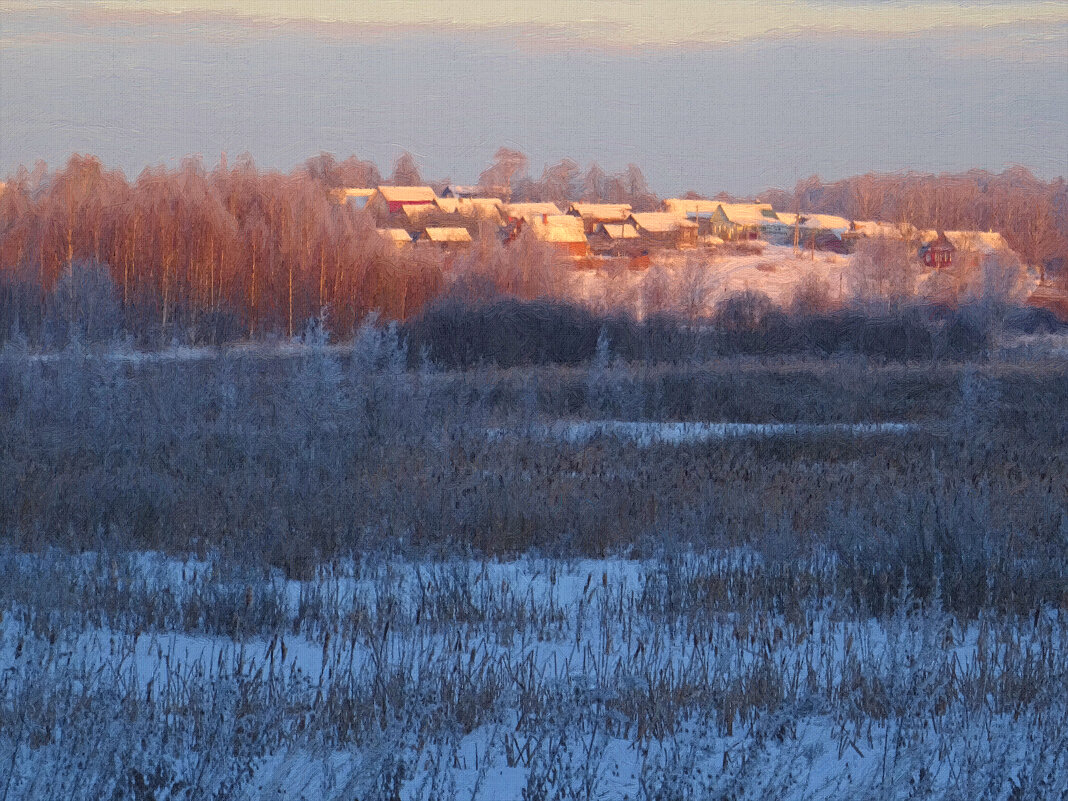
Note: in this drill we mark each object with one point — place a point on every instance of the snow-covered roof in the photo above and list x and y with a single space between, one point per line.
978 241
415 212
520 211
601 212
448 234
873 228
681 207
396 235
456 191
660 222
354 196
829 222
407 194
749 213
619 230
478 207
562 228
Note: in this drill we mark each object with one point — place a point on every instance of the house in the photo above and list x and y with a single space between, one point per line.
816 231
513 212
938 253
613 238
398 236
665 229
354 197
870 229
683 207
985 243
458 191
967 249
564 231
455 191
733 221
446 238
395 199
475 208
593 214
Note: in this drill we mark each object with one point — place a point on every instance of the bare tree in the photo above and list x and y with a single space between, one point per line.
884 273
696 287
508 166
405 171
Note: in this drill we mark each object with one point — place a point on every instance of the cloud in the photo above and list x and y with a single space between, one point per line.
607 23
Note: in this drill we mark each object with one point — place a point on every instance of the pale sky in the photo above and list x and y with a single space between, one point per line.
725 95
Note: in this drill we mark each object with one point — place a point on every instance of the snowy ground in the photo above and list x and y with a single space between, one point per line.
777 272
644 434
692 676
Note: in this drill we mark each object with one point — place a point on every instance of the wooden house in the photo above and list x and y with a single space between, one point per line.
683 207
352 196
809 230
938 253
476 208
456 190
398 236
740 221
447 238
593 214
965 249
664 229
613 238
563 231
514 212
386 200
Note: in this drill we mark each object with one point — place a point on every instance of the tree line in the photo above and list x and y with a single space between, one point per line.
210 254
1030 213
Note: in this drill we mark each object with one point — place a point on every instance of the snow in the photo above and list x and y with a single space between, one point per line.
645 434
603 676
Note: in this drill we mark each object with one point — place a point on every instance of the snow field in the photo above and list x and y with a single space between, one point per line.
687 676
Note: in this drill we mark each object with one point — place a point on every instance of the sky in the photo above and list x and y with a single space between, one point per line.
730 95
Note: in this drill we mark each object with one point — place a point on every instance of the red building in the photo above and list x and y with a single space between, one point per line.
939 252
394 199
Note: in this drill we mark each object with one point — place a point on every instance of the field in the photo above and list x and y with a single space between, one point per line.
318 573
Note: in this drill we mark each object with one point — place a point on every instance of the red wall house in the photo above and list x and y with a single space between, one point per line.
938 253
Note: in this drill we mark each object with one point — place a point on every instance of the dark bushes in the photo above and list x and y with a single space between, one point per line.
510 333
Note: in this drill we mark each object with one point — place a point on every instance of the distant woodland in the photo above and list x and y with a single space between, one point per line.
207 254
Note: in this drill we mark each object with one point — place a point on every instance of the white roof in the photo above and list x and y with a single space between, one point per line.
749 213
562 228
521 211
874 228
610 212
396 235
456 190
979 241
619 230
681 207
480 207
660 222
407 194
829 222
448 235
355 196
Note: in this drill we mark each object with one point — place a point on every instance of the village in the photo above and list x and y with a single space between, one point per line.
416 214
726 247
